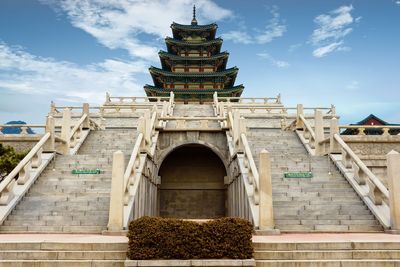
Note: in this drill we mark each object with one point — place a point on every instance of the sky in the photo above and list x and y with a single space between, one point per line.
313 52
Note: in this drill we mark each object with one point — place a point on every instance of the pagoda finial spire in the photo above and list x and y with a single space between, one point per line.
194 20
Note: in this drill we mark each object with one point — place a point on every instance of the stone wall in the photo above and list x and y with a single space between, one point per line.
372 150
24 145
192 184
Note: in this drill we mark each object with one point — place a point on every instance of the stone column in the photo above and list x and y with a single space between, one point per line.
393 171
319 132
49 146
266 221
85 110
65 131
334 147
116 215
300 111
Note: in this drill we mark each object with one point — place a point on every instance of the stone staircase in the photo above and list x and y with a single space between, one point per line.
325 203
60 201
337 253
79 251
195 110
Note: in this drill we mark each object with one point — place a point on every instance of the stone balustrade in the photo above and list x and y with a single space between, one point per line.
133 100
384 130
134 189
23 127
380 199
18 181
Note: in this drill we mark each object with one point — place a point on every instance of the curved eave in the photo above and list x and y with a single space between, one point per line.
174 41
227 72
212 26
175 59
166 55
235 91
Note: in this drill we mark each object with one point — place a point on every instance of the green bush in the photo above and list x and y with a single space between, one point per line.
159 238
9 159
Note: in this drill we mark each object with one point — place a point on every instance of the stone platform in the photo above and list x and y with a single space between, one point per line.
318 249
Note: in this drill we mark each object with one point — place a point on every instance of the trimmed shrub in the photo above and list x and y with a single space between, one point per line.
160 238
9 159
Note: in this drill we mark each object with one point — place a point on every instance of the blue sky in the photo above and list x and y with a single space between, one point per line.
312 52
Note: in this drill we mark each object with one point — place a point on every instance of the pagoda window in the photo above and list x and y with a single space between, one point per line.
193 86
194 53
179 86
179 68
208 85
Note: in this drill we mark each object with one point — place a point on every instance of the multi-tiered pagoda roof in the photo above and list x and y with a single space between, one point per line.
193 67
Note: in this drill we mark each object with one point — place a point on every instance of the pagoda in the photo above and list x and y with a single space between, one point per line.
193 67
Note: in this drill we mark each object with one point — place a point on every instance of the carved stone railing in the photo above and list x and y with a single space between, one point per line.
313 135
134 189
366 184
18 181
23 127
72 139
252 100
130 100
248 197
381 200
361 129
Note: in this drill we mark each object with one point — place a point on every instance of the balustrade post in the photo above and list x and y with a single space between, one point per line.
393 174
116 214
53 109
300 111
334 147
49 146
266 212
85 110
65 131
319 132
278 99
108 99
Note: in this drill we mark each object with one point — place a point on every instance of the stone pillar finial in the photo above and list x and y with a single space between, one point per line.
116 214
393 175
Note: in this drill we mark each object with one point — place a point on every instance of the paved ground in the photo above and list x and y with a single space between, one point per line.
61 238
284 238
327 237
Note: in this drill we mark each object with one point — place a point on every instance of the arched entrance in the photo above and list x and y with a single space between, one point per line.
192 184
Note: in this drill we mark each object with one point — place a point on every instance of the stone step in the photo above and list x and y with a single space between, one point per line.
52 229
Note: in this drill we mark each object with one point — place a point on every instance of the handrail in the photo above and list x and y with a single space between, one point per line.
77 126
252 164
369 126
362 166
132 161
308 126
24 161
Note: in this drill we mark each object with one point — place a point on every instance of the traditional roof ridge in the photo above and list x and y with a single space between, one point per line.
162 53
371 116
233 70
192 27
225 90
180 42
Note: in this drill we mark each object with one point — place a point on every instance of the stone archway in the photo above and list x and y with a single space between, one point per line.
192 183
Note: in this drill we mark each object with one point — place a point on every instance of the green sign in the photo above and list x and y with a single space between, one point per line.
84 171
298 174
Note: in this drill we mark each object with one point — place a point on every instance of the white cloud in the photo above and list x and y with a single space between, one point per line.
26 73
324 50
331 31
118 23
294 47
273 61
397 3
353 86
274 29
238 37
